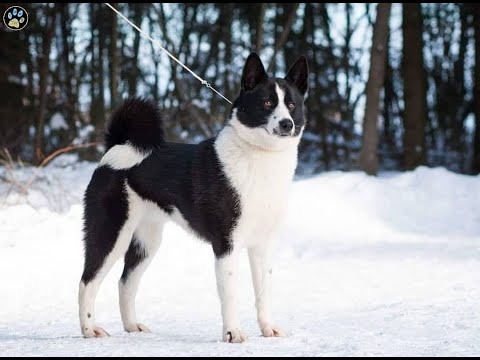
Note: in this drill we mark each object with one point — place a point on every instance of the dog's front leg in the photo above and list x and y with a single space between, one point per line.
260 263
226 269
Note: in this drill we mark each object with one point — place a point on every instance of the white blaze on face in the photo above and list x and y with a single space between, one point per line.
280 112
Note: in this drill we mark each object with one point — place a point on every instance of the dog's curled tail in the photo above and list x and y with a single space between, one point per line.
138 122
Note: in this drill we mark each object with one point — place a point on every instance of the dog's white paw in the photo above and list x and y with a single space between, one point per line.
273 331
131 328
94 332
234 336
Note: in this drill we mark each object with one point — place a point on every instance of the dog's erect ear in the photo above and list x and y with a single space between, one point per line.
298 75
253 73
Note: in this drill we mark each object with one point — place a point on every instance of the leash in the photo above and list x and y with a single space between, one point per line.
155 42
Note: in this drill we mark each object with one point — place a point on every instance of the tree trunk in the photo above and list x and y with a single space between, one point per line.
68 53
44 73
368 154
476 97
134 73
415 95
14 119
114 60
259 27
287 27
156 63
226 30
102 30
347 113
389 95
97 111
460 112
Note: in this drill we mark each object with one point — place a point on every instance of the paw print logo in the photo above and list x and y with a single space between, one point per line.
15 18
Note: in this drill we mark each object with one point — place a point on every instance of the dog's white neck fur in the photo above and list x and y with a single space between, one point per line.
260 172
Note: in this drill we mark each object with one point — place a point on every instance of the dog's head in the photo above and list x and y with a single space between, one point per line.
268 113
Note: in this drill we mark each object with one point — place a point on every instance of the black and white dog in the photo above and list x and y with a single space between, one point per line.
229 191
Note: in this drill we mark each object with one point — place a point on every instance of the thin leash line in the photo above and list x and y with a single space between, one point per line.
157 43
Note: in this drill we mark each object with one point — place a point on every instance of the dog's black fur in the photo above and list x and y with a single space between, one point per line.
187 177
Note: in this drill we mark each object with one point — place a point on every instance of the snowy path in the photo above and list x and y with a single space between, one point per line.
364 266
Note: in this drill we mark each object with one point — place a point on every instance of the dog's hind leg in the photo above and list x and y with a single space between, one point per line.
110 221
145 244
89 285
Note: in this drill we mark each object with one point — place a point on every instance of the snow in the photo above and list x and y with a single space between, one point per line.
364 266
13 79
57 122
202 104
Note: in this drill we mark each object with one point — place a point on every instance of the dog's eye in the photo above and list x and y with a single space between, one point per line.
267 104
291 105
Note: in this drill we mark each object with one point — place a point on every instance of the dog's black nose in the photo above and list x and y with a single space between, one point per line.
285 126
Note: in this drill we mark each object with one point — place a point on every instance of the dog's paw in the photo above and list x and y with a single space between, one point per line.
94 332
131 328
234 336
273 331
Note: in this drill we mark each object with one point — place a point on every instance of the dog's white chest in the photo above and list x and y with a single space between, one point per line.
262 181
263 195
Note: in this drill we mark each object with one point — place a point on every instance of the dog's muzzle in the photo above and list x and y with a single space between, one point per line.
285 127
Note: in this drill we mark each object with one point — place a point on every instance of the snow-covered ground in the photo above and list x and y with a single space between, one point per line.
364 266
